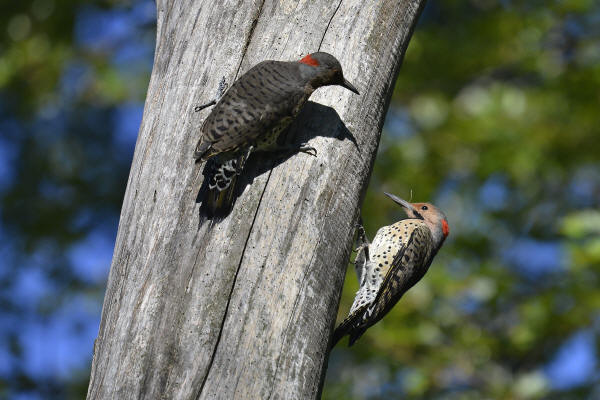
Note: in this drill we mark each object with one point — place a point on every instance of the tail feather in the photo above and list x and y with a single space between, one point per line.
218 203
338 334
221 178
351 326
221 172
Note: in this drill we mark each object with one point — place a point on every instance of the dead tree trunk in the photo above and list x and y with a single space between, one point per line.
243 308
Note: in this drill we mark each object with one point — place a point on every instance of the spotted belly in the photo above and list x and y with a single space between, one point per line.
385 246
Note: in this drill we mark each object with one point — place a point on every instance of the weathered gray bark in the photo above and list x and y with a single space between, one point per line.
243 308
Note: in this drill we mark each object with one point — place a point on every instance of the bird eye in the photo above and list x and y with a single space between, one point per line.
424 208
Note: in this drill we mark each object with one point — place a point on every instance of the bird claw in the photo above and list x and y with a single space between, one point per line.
361 231
220 92
361 238
305 148
361 246
203 106
222 88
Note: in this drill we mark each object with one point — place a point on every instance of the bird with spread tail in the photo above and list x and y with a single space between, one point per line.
252 114
398 258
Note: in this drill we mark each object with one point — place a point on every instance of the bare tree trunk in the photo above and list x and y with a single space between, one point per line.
243 308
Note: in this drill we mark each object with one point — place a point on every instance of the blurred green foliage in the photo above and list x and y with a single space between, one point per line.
494 118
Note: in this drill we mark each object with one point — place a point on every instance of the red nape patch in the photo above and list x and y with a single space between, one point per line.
445 227
308 60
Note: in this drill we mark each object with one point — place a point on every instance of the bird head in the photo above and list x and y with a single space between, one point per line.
434 217
322 69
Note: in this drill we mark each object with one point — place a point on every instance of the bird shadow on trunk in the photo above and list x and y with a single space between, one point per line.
314 120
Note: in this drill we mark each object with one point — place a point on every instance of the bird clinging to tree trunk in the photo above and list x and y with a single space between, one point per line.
251 115
398 258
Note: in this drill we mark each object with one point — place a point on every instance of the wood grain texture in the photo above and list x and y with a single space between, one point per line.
244 307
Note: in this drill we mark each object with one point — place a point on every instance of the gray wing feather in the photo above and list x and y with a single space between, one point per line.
252 106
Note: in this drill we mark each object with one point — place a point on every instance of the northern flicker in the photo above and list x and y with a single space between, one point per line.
398 258
250 116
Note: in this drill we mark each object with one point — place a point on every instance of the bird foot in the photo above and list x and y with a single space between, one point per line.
361 238
305 148
361 234
203 106
222 88
220 92
361 247
362 252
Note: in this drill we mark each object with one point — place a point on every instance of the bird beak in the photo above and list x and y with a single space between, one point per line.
405 204
349 86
